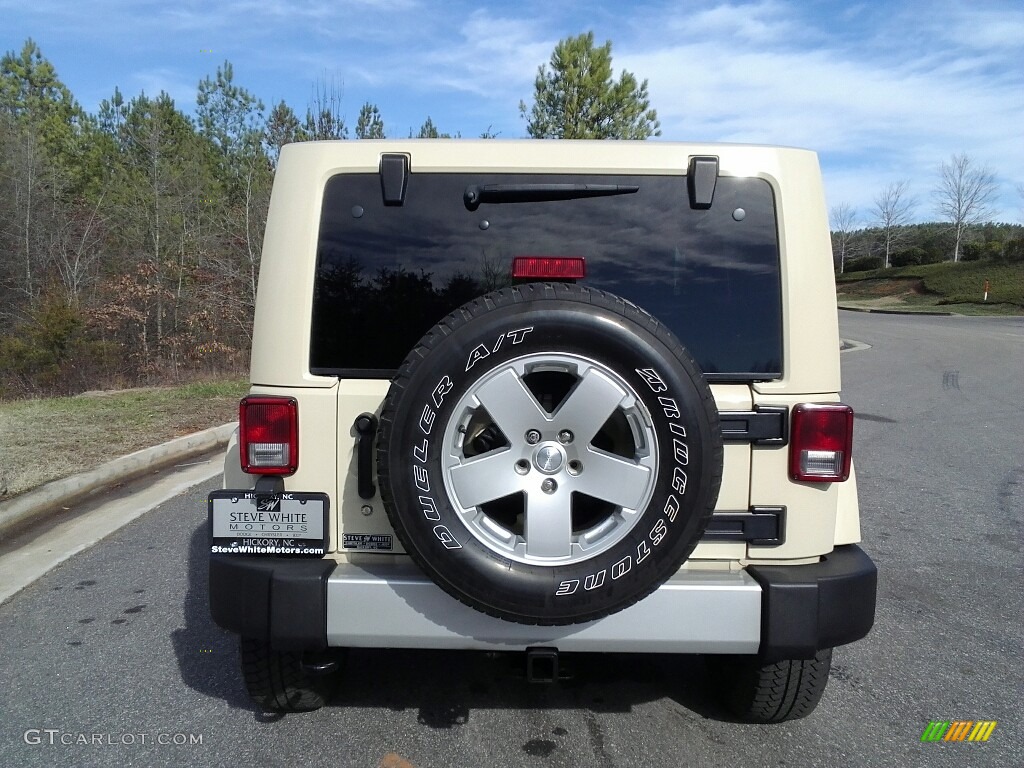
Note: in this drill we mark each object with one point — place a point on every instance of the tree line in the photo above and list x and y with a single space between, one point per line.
130 238
963 197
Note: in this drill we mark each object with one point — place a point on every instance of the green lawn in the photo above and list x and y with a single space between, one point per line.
956 287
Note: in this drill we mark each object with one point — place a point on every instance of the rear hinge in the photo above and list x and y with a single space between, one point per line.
765 425
701 177
394 178
760 526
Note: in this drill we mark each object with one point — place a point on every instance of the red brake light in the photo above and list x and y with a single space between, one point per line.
821 441
269 435
549 267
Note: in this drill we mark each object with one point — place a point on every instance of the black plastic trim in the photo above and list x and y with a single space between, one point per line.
276 600
476 194
269 484
761 526
701 178
806 608
366 430
355 373
743 377
394 178
765 425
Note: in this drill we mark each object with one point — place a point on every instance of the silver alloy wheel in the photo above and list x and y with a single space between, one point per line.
555 497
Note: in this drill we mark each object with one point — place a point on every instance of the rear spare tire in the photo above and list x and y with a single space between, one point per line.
549 454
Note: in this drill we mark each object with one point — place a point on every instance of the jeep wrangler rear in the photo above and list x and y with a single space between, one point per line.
544 397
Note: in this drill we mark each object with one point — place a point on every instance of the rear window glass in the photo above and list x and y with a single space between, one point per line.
386 274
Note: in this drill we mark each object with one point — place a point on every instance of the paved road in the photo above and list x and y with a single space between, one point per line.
114 647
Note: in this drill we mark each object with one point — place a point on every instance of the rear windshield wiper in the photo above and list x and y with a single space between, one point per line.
539 193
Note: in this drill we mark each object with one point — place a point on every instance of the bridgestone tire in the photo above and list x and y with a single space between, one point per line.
774 693
277 681
549 454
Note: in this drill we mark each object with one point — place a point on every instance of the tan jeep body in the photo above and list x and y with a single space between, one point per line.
717 602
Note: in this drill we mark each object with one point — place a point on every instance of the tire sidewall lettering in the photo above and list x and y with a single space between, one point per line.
480 351
680 454
428 416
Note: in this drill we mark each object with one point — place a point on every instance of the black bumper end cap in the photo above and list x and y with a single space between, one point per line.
281 601
807 608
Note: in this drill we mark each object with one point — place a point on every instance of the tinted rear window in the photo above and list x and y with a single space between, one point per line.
386 274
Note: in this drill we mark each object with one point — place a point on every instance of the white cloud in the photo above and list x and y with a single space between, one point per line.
760 23
485 64
974 26
493 56
875 111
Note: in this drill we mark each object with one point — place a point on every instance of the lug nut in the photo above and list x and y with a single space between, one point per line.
522 466
549 486
565 436
575 467
532 436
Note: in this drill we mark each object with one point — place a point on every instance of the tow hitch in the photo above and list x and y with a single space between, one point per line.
541 665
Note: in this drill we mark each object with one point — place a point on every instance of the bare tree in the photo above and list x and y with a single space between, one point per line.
844 219
27 173
893 208
78 246
965 196
324 119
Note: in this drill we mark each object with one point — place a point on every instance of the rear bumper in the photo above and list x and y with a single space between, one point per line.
774 611
809 607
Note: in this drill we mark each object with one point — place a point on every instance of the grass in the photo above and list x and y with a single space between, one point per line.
951 287
47 439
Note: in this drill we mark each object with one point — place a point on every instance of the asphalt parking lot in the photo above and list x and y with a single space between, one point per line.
116 643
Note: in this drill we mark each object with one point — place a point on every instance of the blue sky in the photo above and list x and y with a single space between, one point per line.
884 91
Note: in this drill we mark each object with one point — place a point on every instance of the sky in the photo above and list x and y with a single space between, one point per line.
883 91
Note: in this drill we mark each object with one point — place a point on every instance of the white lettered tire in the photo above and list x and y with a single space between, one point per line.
549 454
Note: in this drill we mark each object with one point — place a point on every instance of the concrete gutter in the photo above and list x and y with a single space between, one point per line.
29 506
882 311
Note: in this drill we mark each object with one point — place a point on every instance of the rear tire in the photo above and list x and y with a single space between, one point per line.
773 693
278 681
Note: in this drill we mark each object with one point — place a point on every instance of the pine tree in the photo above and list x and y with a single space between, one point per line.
369 125
578 99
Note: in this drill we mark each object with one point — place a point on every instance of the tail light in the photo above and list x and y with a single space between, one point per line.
549 267
821 441
269 435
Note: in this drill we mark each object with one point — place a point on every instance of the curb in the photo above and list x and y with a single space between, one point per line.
877 311
850 345
60 493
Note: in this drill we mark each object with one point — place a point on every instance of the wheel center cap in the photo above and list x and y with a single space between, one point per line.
548 459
